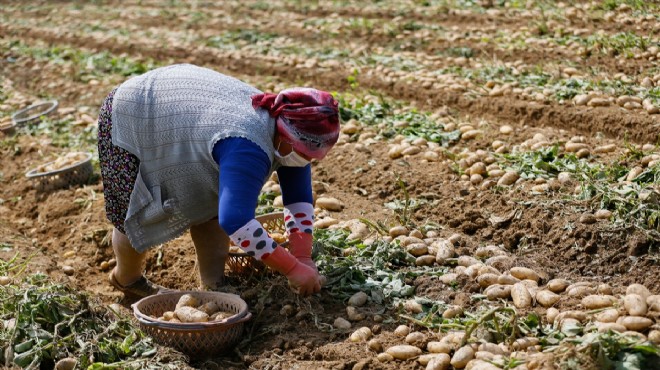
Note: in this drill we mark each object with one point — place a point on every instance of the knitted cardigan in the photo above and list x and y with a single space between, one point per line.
171 118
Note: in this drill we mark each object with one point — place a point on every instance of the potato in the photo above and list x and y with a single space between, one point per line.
375 345
452 312
187 300
439 362
445 250
439 347
580 291
654 336
520 296
523 343
358 299
487 280
168 315
209 308
361 335
546 298
609 315
551 314
462 356
638 289
220 315
415 337
191 314
491 348
278 237
508 178
507 279
653 302
341 323
595 301
398 231
330 204
524 273
576 315
557 285
481 365
412 306
402 330
417 249
353 314
495 292
404 351
385 357
467 261
426 358
5 280
635 323
67 363
635 305
604 327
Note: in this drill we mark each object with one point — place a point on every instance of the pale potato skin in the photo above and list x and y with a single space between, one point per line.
187 300
191 314
209 308
404 351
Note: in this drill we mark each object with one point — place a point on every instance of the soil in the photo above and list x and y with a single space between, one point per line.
544 233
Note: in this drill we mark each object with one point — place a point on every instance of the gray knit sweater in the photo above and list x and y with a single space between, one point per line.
171 118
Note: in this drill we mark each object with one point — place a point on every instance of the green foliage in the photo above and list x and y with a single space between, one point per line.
609 351
44 321
634 204
86 65
265 203
392 118
383 269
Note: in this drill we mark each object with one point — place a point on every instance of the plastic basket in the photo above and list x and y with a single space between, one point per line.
198 340
34 112
76 173
8 128
242 264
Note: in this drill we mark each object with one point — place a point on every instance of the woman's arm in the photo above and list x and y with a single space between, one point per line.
243 170
296 185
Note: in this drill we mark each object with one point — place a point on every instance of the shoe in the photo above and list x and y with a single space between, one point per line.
139 289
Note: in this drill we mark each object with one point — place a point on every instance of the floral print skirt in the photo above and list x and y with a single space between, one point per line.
119 168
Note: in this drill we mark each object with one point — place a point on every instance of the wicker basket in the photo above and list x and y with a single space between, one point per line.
197 340
77 173
240 263
34 112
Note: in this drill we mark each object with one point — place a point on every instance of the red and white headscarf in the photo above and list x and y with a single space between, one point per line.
306 118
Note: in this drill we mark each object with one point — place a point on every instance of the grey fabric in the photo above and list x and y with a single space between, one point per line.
171 118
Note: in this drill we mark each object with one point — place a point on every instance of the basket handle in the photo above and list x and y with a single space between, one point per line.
190 326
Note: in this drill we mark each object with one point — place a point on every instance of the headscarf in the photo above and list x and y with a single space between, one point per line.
306 118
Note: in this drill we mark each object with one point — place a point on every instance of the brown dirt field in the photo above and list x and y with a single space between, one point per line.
545 234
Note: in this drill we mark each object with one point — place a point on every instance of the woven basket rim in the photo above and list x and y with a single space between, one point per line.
242 315
33 172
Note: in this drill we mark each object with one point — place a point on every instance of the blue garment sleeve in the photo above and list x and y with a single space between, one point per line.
296 184
243 170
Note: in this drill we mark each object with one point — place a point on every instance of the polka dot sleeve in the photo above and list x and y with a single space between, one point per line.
254 240
299 217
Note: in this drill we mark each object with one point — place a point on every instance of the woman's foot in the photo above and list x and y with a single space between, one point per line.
138 289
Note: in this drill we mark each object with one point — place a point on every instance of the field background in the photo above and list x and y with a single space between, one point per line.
427 89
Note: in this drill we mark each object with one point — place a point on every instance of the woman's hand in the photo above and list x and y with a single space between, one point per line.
301 276
304 279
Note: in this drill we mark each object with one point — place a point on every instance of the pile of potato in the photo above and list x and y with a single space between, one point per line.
568 306
62 162
188 309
